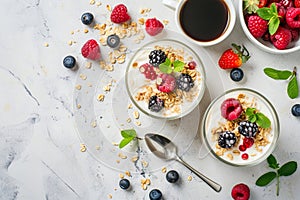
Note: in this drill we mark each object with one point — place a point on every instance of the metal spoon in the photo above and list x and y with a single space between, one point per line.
168 151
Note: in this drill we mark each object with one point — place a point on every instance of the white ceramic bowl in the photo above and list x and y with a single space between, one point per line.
264 45
211 128
136 82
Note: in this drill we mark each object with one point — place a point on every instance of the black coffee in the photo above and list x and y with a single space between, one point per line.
204 20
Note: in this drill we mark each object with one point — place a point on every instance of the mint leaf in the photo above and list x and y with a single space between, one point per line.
272 162
259 118
265 13
128 136
262 120
128 133
277 74
178 65
252 118
265 179
273 25
287 169
166 67
125 141
250 111
292 89
273 8
271 15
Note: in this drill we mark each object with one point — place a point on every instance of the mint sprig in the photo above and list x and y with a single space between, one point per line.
270 14
285 170
168 67
128 136
258 117
291 76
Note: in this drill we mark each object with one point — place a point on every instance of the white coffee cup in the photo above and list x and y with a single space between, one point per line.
203 37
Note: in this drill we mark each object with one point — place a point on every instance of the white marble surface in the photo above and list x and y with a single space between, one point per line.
40 155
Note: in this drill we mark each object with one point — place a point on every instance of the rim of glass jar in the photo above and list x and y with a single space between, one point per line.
203 78
276 127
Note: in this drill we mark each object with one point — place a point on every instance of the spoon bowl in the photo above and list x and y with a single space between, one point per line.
165 149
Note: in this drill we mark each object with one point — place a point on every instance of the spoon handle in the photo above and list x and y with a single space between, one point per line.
207 180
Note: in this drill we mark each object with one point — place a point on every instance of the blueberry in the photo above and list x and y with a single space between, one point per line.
172 176
87 18
296 110
113 41
69 62
236 74
155 194
124 184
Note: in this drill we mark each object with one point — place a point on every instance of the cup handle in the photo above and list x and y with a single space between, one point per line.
171 3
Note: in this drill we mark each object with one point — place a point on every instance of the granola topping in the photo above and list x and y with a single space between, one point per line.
262 139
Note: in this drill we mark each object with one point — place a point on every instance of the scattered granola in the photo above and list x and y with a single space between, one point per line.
145 183
122 156
94 124
100 97
136 114
82 147
78 87
83 77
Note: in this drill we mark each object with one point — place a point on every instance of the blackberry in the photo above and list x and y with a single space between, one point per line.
185 82
156 57
155 104
227 139
248 129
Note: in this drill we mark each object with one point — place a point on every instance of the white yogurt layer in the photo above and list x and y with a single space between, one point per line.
256 153
137 82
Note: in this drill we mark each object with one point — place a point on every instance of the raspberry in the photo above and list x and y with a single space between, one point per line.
242 148
248 142
297 3
119 14
245 156
148 71
91 50
295 34
192 65
240 192
282 38
153 26
231 109
166 83
292 17
257 26
287 3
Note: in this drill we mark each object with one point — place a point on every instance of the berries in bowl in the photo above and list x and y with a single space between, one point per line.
240 127
165 79
273 26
